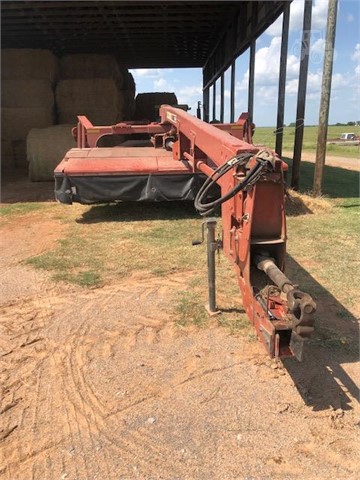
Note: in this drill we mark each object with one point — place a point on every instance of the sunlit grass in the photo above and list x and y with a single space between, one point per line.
267 136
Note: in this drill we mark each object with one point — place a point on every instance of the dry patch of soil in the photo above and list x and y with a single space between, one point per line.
19 239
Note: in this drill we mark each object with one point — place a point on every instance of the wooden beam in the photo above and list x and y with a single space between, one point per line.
222 99
206 104
282 80
301 99
232 92
251 80
214 102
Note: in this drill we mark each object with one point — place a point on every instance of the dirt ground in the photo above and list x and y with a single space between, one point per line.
101 384
331 160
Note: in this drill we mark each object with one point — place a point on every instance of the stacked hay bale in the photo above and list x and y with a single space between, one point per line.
92 85
45 148
95 86
27 100
147 104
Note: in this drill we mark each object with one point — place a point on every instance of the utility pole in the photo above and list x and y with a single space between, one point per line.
325 97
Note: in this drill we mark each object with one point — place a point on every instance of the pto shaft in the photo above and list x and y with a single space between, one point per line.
267 265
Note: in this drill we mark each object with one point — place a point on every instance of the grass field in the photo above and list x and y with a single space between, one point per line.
266 136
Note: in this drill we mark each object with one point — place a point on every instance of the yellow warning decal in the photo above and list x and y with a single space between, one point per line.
236 127
170 116
93 130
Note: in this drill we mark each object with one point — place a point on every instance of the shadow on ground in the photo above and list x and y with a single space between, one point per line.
139 211
17 187
320 379
338 182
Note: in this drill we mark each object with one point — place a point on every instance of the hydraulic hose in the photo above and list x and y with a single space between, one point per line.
252 176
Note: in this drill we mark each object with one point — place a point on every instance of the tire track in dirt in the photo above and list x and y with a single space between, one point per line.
87 400
121 393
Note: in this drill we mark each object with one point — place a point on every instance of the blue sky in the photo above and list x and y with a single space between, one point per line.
345 98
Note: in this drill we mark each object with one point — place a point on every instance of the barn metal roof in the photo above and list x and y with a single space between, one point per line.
142 33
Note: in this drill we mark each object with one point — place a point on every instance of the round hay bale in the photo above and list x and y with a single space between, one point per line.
17 122
28 93
146 104
27 63
45 148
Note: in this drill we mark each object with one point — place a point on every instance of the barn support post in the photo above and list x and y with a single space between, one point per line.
251 80
282 80
214 101
222 99
301 99
206 104
325 97
232 92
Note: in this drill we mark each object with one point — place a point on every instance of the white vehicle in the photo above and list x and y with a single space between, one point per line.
347 136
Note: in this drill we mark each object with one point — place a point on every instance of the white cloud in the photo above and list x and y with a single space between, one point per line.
296 19
350 18
356 58
292 86
146 72
314 80
339 80
191 90
317 50
318 46
161 83
190 95
319 14
267 62
356 55
318 21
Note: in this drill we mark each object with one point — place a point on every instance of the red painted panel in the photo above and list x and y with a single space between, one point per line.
96 165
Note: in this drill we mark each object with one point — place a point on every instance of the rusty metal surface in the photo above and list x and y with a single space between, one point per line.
253 223
120 161
88 135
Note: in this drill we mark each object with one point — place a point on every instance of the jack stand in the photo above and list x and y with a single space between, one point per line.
212 247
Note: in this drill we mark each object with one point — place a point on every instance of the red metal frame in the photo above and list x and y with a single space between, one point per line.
252 220
87 135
